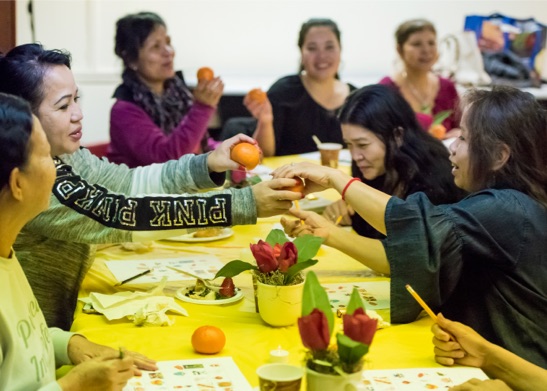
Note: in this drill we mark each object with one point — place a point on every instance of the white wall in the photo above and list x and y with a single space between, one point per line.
250 43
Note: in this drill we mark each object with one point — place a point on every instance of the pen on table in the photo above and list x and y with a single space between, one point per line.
134 277
421 302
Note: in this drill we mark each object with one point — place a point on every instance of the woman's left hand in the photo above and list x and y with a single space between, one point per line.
308 223
80 349
209 92
219 160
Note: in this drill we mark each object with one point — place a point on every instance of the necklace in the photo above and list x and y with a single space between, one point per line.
426 105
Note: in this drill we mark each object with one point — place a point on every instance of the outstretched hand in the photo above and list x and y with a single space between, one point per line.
317 177
219 160
271 199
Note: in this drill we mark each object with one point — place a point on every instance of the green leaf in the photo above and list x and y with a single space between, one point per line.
315 296
276 236
441 116
254 180
233 268
297 268
355 301
350 351
307 246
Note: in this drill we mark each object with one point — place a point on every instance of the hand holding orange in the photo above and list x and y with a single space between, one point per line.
257 95
205 73
298 188
246 154
208 340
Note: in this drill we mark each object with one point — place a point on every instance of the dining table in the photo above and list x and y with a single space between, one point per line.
249 340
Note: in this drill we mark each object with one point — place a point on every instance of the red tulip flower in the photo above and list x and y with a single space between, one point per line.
287 257
360 327
314 330
264 255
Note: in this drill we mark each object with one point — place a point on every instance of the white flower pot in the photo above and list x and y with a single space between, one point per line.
279 305
316 381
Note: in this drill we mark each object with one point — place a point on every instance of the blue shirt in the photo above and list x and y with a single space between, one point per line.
481 261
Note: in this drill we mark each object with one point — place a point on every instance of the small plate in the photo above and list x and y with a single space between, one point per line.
181 294
189 238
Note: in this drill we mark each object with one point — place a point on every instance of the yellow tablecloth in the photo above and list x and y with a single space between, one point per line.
249 339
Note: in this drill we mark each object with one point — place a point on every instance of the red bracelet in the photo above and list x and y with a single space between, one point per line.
347 185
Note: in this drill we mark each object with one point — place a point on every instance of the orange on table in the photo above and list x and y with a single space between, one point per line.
298 188
205 73
246 154
438 131
208 339
257 95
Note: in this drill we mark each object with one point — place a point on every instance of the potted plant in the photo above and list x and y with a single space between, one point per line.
278 274
333 367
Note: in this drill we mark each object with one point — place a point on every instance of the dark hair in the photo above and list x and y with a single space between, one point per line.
411 153
406 29
23 68
131 32
317 22
507 115
15 130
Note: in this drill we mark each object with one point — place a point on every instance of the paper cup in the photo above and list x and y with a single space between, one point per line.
329 154
280 377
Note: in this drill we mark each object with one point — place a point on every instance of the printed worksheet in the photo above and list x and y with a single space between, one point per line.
203 266
417 379
375 294
207 374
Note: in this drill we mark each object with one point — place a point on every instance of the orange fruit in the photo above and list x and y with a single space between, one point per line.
246 154
208 339
205 73
257 95
438 131
298 188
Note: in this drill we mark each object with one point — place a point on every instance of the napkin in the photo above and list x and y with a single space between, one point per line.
143 308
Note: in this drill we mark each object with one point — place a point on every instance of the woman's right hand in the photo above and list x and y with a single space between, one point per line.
271 199
337 209
107 373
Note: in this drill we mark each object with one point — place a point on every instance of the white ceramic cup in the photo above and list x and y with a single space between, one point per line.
280 377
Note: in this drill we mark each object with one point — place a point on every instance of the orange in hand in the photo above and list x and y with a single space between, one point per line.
257 95
205 73
208 339
298 188
246 154
438 131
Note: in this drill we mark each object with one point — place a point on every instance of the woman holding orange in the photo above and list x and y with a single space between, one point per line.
156 118
427 93
299 106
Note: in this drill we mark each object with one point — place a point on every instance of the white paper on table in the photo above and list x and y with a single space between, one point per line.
218 373
375 294
144 308
202 265
417 379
